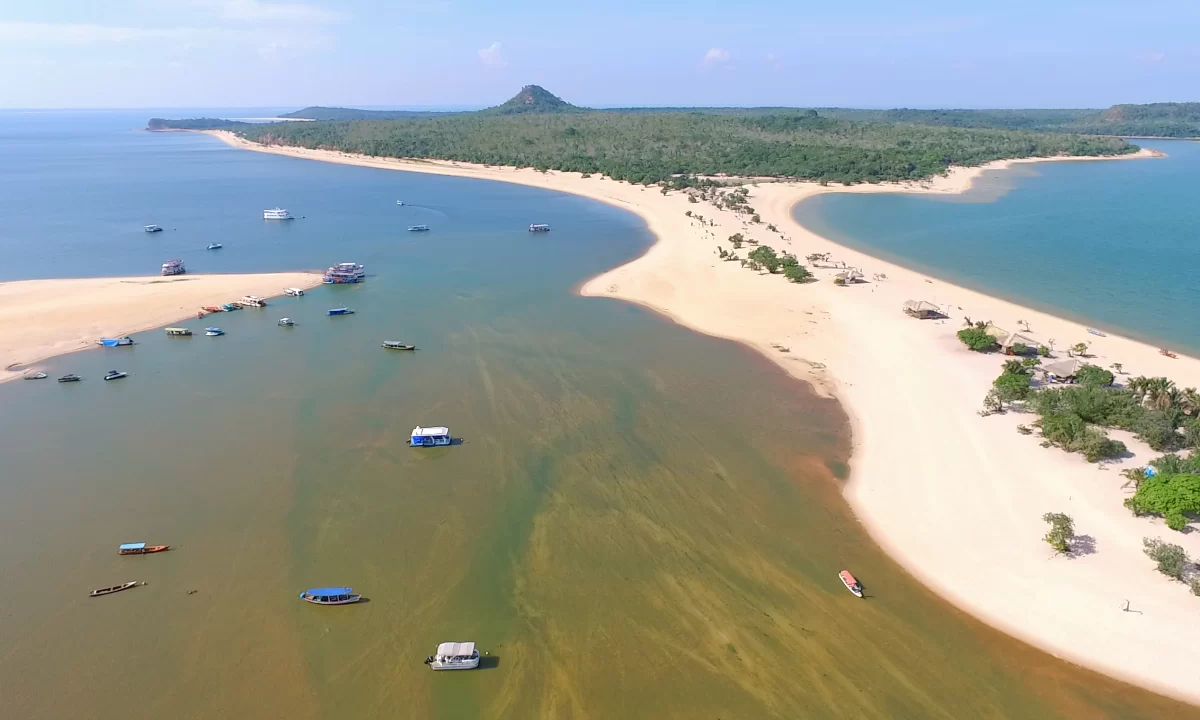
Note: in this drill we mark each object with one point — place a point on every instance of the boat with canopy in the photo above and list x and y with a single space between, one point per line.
454 656
330 596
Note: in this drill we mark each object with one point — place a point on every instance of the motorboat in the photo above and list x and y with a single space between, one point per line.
851 584
286 322
70 377
215 246
330 596
139 548
115 588
115 375
173 267
341 311
418 228
293 292
430 437
115 342
252 301
277 214
230 307
397 345
399 202
454 656
152 229
37 376
178 332
213 331
539 227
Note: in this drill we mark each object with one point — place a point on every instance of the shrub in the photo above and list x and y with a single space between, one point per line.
692 199
839 281
1061 532
1043 351
1157 429
1172 560
1194 583
1019 348
1093 376
1096 445
1011 387
1069 431
975 338
1191 434
796 273
765 256
1168 495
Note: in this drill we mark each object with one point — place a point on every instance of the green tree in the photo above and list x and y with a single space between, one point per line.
1011 387
977 339
765 256
1172 560
1019 348
1094 376
1079 349
796 273
736 240
1061 532
1043 351
1168 495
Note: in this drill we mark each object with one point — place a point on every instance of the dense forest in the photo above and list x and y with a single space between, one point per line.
317 112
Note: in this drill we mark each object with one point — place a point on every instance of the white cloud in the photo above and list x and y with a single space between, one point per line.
716 56
259 12
492 57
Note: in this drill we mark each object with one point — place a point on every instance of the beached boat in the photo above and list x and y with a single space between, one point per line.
115 589
454 656
397 345
430 436
115 375
230 307
252 301
418 228
139 548
212 309
173 267
341 311
1094 331
286 322
330 596
213 331
539 227
293 292
851 584
115 342
152 229
70 377
37 376
346 272
178 332
276 214
215 246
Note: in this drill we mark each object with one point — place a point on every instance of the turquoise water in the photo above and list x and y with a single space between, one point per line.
1112 244
641 522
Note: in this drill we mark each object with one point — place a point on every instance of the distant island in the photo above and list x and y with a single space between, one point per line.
676 146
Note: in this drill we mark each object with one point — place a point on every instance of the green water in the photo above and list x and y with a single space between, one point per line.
641 522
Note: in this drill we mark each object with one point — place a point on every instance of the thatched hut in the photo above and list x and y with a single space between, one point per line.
922 310
1017 340
850 276
1062 371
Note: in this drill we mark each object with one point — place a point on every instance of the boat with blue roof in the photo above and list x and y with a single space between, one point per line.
341 311
330 596
139 548
430 437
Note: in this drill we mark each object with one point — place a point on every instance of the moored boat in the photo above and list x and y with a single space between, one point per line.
330 596
173 267
276 214
418 228
851 584
341 311
213 331
139 548
215 246
230 307
397 345
454 656
115 588
252 301
152 229
178 332
430 437
539 227
342 273
37 376
115 375
115 342
70 377
293 292
286 322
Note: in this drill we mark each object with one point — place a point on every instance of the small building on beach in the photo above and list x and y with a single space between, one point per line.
850 276
922 310
1062 371
1017 339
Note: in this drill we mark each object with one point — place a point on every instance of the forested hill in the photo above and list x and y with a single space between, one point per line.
317 112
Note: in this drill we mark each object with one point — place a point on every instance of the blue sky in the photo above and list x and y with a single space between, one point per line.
865 53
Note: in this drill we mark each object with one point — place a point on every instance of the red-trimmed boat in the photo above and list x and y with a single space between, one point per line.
140 549
851 584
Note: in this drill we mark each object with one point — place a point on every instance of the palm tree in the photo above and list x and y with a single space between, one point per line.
1189 401
1160 393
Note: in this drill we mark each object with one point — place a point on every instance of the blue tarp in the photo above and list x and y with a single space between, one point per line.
133 546
329 591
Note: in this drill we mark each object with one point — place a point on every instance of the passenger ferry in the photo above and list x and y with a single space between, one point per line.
330 596
115 342
539 227
173 267
418 228
178 332
346 272
293 292
252 301
430 436
454 656
277 214
152 228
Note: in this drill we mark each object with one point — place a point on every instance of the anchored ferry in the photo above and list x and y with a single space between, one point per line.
173 267
346 272
276 214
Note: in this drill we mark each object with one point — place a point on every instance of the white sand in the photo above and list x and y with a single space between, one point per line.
43 318
954 497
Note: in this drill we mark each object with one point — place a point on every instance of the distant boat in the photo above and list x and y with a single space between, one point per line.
1094 331
115 589
70 377
286 322
430 437
330 596
539 227
139 548
173 267
115 375
37 376
293 292
115 342
341 311
851 584
214 331
397 345
454 656
399 202
277 214
178 332
418 228
215 246
152 228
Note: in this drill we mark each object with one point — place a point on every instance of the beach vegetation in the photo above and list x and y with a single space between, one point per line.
1093 376
839 281
1171 560
977 339
765 256
796 273
692 199
1191 434
1043 351
772 228
1117 368
1079 349
736 240
1012 387
1019 349
1173 496
1061 532
1030 363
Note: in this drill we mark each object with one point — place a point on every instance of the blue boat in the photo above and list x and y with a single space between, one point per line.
341 311
330 596
230 307
213 332
115 342
430 436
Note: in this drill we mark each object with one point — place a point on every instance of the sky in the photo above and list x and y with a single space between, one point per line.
455 53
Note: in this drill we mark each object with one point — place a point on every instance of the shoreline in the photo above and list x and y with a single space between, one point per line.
912 393
42 319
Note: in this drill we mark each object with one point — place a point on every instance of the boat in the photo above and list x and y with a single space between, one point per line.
454 656
430 436
293 292
152 228
277 214
70 377
173 267
1094 331
178 332
252 301
115 375
1166 352
212 309
213 332
115 342
330 596
139 549
230 307
115 588
418 228
397 345
851 584
399 202
539 227
286 322
346 272
215 246
37 376
341 311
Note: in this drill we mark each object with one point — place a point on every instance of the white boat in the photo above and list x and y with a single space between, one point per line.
276 214
37 376
115 375
215 246
115 342
331 596
454 656
430 437
252 301
213 331
851 584
539 227
293 292
399 202
418 228
346 272
152 228
286 322
173 267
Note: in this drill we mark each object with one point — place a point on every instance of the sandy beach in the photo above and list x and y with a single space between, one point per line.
43 318
956 498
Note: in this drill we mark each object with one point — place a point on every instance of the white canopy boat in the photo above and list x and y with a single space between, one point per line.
454 656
